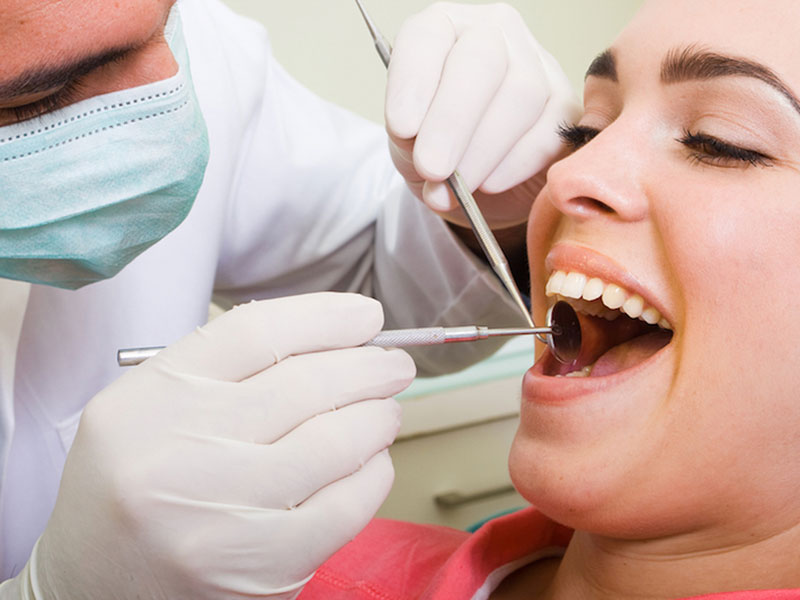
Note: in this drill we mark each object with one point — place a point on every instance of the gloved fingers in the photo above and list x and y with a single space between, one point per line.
452 117
338 512
535 151
438 196
328 448
254 336
511 116
480 56
256 551
420 51
220 471
402 153
269 405
279 476
540 146
514 111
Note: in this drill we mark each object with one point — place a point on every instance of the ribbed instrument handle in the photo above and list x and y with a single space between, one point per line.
425 336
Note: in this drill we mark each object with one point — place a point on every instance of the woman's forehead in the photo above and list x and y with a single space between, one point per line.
762 32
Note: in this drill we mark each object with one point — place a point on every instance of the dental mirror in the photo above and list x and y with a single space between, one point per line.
565 340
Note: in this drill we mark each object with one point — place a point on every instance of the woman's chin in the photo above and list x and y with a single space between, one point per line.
622 497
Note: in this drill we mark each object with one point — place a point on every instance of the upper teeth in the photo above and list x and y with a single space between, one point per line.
613 296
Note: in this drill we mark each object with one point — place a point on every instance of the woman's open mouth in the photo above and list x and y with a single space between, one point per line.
620 329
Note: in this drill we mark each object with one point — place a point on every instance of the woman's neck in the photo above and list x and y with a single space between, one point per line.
601 569
596 568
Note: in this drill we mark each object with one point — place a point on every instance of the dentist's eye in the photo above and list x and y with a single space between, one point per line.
713 151
66 95
576 136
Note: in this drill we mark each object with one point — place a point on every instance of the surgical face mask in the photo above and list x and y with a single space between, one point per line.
86 189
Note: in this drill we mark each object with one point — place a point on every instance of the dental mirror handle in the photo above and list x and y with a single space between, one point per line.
429 336
491 249
391 338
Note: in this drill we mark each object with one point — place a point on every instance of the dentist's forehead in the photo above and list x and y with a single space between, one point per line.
36 34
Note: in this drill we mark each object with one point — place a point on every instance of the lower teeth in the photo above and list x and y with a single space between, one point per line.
584 372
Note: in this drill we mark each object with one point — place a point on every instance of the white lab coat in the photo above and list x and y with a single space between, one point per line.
298 196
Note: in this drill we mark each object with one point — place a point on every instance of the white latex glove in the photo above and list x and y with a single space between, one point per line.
232 464
470 88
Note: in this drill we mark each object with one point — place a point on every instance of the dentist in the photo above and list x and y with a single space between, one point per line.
153 154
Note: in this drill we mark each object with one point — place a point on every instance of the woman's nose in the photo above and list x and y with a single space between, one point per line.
602 178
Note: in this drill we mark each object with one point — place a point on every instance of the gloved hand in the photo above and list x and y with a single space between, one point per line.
232 464
469 88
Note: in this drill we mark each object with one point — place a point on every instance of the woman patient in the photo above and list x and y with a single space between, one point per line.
667 464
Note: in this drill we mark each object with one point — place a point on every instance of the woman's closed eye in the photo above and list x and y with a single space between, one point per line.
705 149
709 150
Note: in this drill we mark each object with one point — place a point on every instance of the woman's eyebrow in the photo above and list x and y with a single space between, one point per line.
45 78
693 63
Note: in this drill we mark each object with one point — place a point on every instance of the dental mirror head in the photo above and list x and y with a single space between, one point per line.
565 340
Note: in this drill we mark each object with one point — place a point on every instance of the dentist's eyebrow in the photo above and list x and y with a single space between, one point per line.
604 65
693 63
43 79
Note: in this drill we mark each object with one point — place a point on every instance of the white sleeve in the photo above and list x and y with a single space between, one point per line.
317 205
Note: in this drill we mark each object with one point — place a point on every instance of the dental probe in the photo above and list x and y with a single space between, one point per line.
486 238
391 338
563 330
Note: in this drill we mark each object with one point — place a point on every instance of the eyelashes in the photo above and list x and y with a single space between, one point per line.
711 150
576 136
71 89
704 148
63 97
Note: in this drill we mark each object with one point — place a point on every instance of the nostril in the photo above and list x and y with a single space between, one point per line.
588 207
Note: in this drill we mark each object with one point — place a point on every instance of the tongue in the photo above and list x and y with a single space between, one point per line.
630 353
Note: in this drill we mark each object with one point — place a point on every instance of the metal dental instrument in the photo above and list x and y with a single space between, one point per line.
391 338
562 326
486 238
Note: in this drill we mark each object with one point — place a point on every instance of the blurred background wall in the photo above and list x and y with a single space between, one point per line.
325 45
